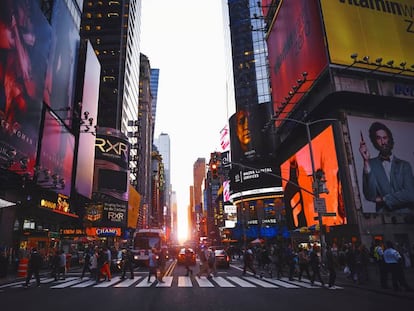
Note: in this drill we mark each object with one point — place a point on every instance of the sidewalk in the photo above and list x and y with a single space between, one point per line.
373 282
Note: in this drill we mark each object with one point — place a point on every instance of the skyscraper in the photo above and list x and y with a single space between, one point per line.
154 78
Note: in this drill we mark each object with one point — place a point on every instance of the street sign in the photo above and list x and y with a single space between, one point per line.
319 205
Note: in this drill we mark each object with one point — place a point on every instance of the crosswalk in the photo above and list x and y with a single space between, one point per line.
141 281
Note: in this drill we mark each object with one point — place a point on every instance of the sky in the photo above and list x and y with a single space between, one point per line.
184 39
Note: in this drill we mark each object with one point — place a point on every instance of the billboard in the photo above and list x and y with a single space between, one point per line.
248 143
86 150
24 47
384 156
61 72
299 202
356 30
56 156
296 45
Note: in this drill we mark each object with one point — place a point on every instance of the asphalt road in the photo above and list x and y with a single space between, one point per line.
229 290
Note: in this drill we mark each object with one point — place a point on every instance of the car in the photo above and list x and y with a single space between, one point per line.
181 259
222 258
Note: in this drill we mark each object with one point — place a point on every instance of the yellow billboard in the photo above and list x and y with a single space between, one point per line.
134 200
378 33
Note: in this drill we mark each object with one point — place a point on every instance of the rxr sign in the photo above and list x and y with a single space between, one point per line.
116 216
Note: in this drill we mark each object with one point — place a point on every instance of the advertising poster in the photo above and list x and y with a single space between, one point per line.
56 156
355 30
384 157
61 71
299 202
86 150
248 143
296 45
24 47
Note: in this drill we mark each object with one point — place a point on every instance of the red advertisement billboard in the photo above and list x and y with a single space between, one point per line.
86 149
61 72
24 47
384 157
296 45
299 202
56 156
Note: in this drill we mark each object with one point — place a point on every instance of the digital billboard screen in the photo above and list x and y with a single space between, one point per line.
356 30
61 72
383 155
298 180
56 156
25 36
86 149
296 45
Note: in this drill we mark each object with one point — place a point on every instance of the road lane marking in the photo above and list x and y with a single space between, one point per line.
260 282
240 281
167 282
184 281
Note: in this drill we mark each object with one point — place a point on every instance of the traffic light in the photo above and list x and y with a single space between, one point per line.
214 170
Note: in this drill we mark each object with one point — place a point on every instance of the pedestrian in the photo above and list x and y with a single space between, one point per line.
248 261
315 265
188 261
204 268
55 260
152 265
127 264
212 261
94 265
330 264
62 265
34 265
303 260
106 262
162 261
394 265
379 260
86 263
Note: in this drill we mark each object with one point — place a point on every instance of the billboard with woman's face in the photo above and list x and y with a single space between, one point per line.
299 206
24 47
384 157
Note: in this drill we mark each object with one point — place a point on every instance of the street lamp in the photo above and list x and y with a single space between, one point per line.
317 176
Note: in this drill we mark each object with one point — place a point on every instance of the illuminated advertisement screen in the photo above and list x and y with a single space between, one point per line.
61 71
247 141
24 46
86 150
56 156
299 206
383 148
296 45
111 165
356 30
134 202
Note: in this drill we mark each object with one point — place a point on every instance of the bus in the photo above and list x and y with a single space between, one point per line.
144 241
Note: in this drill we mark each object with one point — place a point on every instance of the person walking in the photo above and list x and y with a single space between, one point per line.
162 262
248 261
94 265
188 261
35 263
62 265
127 264
152 265
86 263
379 259
204 269
315 265
330 264
212 261
393 261
55 264
303 261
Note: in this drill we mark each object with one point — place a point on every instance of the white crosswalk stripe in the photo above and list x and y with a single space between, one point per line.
141 281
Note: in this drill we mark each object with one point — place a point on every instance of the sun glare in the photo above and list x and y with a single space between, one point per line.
182 224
